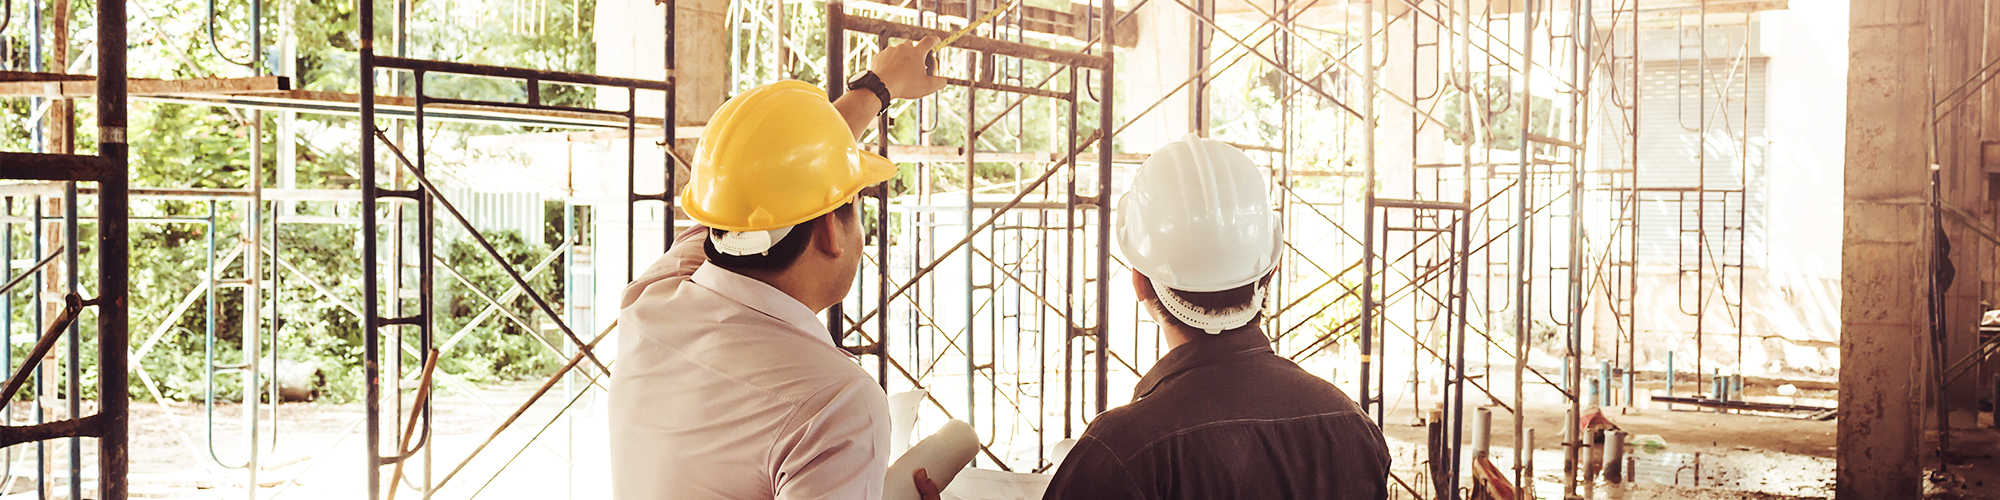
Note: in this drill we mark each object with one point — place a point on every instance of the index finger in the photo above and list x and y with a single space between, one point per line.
928 43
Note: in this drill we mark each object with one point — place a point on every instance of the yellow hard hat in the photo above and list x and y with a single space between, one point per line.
774 157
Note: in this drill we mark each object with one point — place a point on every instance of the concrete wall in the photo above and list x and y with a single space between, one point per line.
1791 294
1800 303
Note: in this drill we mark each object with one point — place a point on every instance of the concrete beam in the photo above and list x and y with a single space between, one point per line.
1883 255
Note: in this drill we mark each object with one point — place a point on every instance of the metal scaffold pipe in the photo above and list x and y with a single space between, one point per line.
1368 303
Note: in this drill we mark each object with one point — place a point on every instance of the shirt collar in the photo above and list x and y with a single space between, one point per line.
763 298
1201 351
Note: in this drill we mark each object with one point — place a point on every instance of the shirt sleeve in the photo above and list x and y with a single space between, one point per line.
681 260
836 446
1091 472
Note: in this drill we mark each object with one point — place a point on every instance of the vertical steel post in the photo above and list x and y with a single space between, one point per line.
1604 381
42 280
1670 376
1105 153
7 318
670 122
1368 207
836 49
971 240
427 276
1070 226
72 237
1462 257
253 317
113 258
1632 234
371 345
1701 195
881 248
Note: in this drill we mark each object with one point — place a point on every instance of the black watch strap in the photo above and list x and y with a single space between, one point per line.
872 83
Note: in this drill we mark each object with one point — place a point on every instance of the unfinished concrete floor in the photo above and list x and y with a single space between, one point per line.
1708 454
1972 467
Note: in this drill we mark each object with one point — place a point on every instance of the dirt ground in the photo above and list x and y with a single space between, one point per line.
318 452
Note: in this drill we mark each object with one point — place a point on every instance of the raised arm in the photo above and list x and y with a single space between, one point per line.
901 69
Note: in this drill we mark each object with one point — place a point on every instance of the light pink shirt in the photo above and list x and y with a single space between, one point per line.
728 388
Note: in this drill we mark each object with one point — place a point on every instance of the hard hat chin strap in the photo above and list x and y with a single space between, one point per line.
1215 323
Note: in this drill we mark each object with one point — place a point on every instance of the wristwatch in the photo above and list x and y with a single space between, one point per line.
873 83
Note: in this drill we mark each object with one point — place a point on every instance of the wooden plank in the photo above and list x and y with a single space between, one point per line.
1534 137
955 154
1741 405
30 76
50 167
684 132
270 194
969 42
1715 6
1073 24
485 70
145 87
339 103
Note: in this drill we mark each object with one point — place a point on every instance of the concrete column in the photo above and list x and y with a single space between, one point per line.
631 41
1165 29
1883 254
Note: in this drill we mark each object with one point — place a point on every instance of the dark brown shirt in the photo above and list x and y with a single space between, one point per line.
1224 417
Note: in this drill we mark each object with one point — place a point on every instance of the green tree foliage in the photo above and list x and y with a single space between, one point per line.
1500 102
502 349
197 146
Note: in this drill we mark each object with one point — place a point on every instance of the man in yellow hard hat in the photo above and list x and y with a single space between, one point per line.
728 385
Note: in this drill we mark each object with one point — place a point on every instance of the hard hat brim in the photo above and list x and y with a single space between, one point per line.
875 169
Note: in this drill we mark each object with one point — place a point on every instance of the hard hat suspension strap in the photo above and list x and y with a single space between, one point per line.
1211 323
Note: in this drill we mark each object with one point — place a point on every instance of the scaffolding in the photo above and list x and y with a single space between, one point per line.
1512 202
60 238
405 326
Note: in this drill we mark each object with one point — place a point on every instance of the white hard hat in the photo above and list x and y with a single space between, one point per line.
1198 218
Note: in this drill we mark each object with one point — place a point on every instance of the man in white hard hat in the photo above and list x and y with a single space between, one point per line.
1221 415
727 384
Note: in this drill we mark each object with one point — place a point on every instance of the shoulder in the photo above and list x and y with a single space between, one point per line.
1120 431
1092 470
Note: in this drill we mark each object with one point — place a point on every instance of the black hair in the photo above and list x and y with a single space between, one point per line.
781 256
1219 302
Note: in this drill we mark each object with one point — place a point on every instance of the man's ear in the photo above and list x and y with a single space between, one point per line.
826 235
1143 287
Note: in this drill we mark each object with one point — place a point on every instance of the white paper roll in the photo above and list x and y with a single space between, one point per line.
941 455
903 420
1061 452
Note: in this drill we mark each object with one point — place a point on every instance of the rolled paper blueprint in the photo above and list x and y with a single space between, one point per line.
942 455
1061 452
903 420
